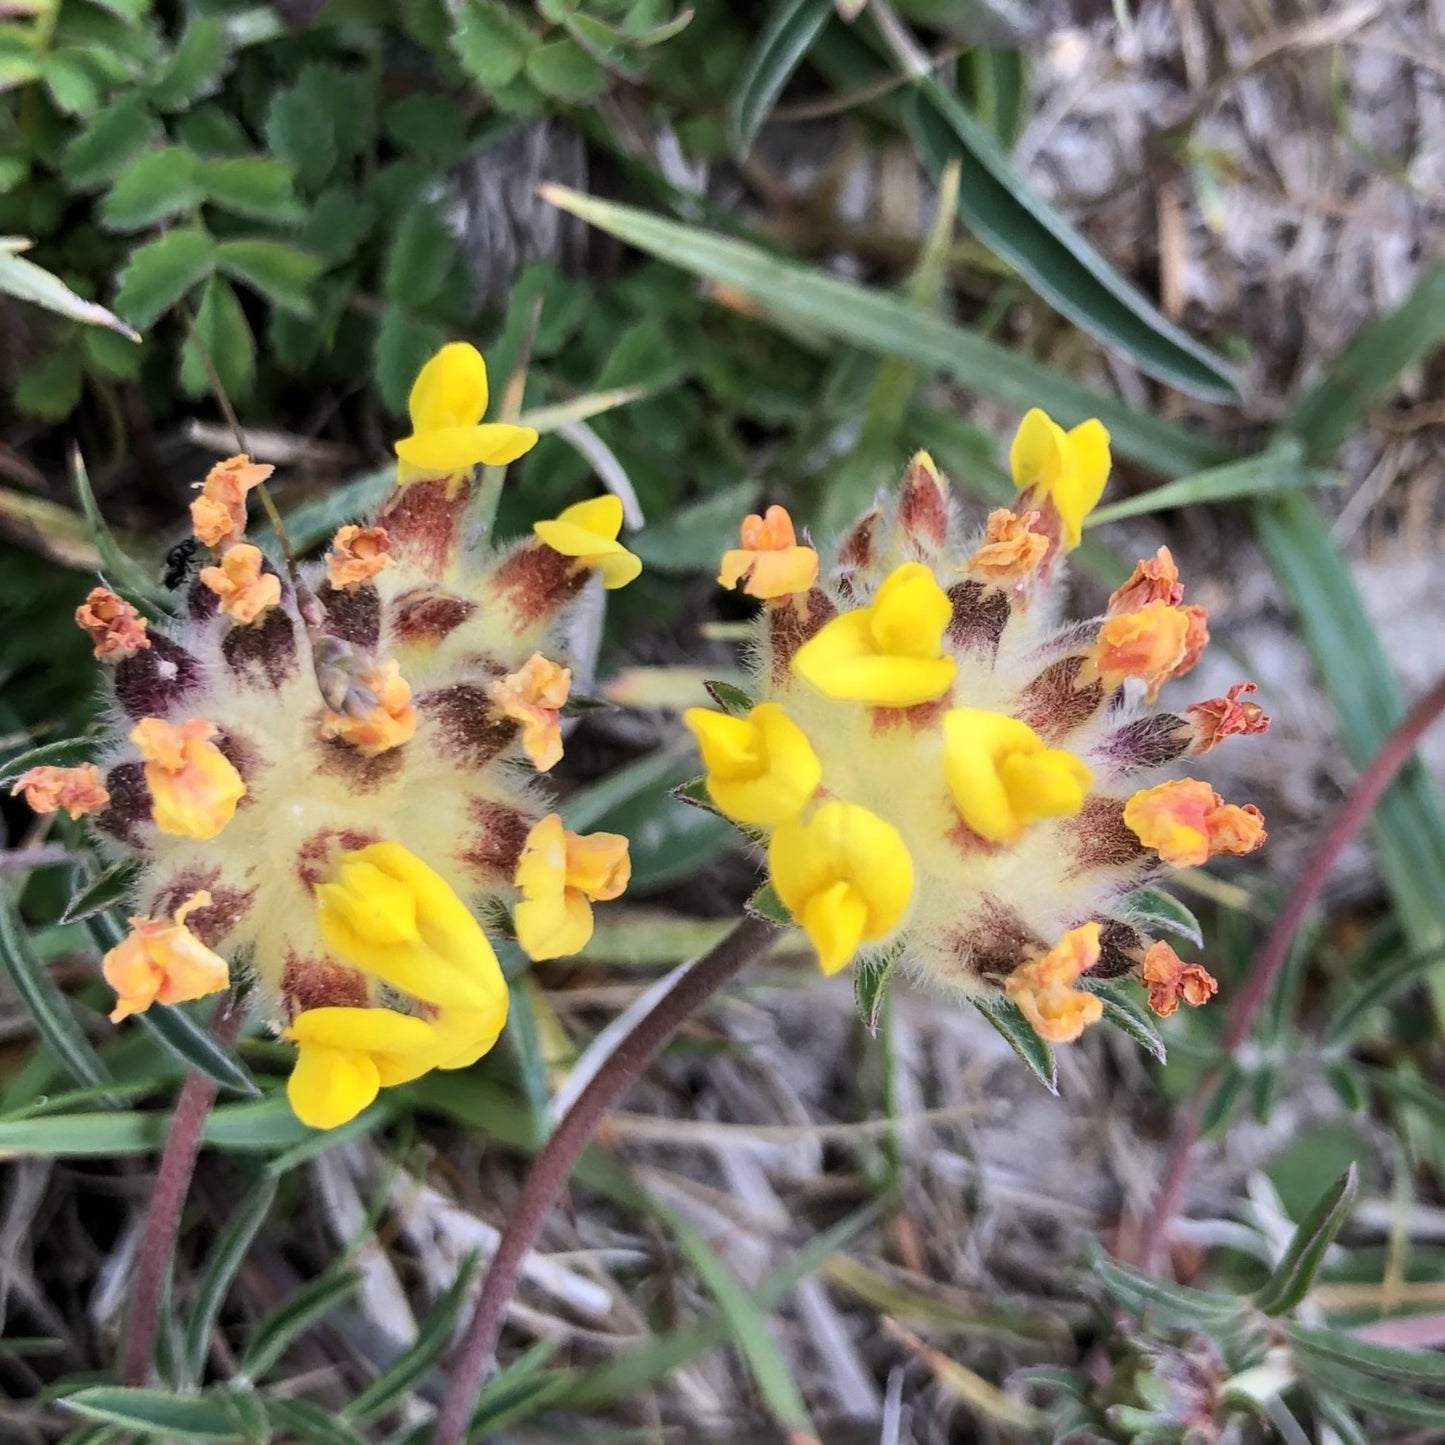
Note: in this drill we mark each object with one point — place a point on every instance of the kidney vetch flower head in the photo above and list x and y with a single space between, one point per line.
948 776
330 775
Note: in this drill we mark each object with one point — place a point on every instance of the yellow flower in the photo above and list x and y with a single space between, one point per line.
1067 468
345 1055
246 592
385 912
890 653
387 724
162 962
77 790
194 788
1043 989
561 875
448 400
770 558
1187 823
845 875
588 532
761 768
1003 778
532 696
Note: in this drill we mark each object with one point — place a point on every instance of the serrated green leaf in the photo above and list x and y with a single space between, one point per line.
300 127
1127 1014
1006 1017
108 143
871 976
790 293
257 187
221 335
223 1260
337 222
157 1412
156 185
491 43
114 885
44 1003
195 68
405 342
1293 1276
305 1307
162 272
65 753
419 259
1153 910
72 80
562 69
282 273
1336 1347
432 127
729 698
782 43
182 1034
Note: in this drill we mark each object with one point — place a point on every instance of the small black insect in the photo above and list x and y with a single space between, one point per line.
178 563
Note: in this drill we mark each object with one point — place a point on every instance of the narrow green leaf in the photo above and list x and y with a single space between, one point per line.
310 1422
284 1326
1153 910
66 753
887 325
44 1003
779 49
180 1033
1005 1016
1335 1347
1127 1014
28 282
282 273
223 1260
113 886
156 185
1377 989
730 698
1376 1396
765 903
160 273
1223 1098
871 976
1170 1304
121 569
1295 1273
156 1412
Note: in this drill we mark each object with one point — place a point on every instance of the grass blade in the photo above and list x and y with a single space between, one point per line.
787 37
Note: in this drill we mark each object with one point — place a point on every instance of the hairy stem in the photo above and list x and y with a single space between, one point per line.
163 1214
551 1168
1343 825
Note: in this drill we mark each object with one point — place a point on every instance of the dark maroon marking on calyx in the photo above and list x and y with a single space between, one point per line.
352 613
856 549
922 715
220 917
313 858
1077 637
201 603
790 622
127 817
341 759
1052 706
923 508
154 680
1119 948
537 583
1101 838
980 614
263 652
492 850
428 616
423 520
997 941
308 983
1148 743
466 725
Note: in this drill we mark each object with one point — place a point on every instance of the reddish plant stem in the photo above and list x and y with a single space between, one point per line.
1343 825
168 1200
552 1167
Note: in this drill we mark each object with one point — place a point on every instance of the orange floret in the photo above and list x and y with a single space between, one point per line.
533 696
1154 579
77 790
384 724
246 592
1187 823
218 515
1043 988
1009 550
115 627
1223 717
1169 979
194 787
1151 644
770 559
163 962
357 554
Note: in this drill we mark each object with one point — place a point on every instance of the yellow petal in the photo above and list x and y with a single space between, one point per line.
446 450
760 769
1036 454
330 1087
841 661
450 390
909 613
601 516
834 921
553 927
360 1030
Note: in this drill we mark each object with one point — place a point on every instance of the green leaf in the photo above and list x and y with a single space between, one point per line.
156 185
257 187
1376 1396
282 273
301 128
44 1003
562 69
790 293
115 885
694 794
405 342
1170 1305
491 43
196 66
729 698
1017 1033
66 753
222 334
337 223
1295 1273
1155 911
50 388
419 259
156 1412
1335 1347
223 1260
765 903
1375 990
779 49
310 1422
1279 468
70 76
284 1326
182 1034
871 975
160 273
122 569
1127 1014
108 143
431 127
